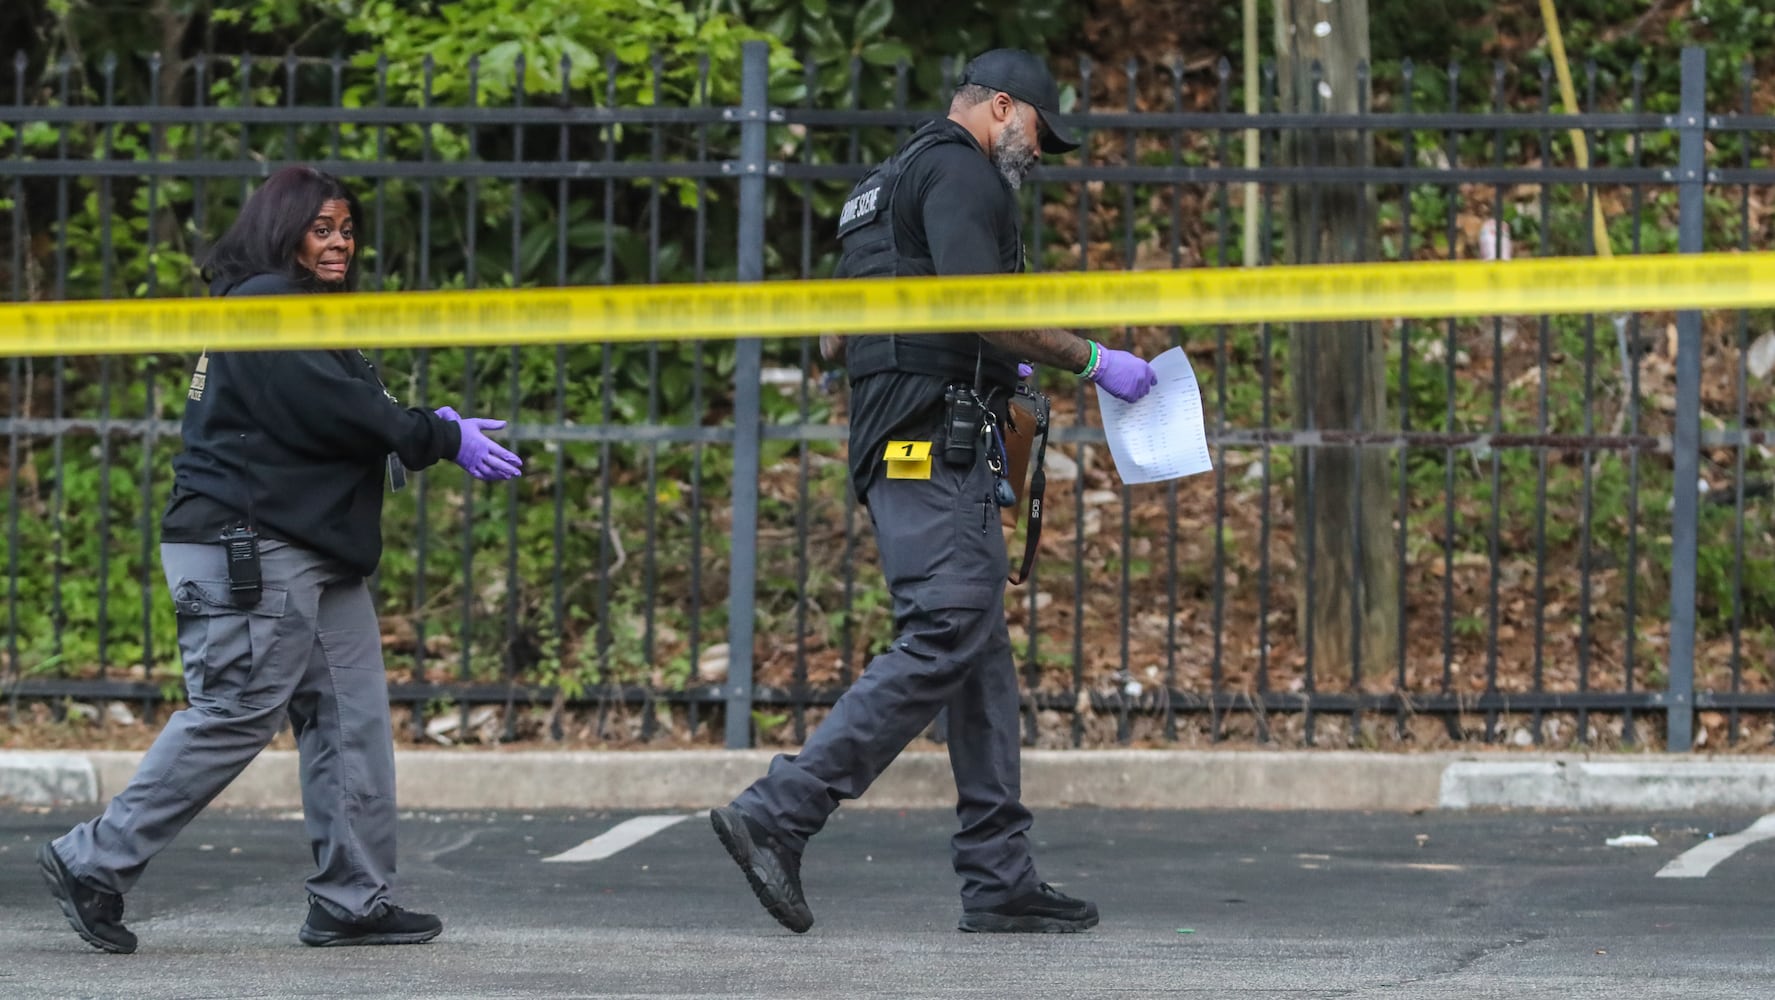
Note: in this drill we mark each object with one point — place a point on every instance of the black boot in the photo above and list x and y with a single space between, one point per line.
96 915
773 870
389 924
1042 910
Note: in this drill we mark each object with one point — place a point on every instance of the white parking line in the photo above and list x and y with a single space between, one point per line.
1697 861
628 833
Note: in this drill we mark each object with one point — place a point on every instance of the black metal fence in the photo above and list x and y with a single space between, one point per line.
1580 519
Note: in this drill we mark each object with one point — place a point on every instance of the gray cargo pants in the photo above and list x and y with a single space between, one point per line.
310 650
943 553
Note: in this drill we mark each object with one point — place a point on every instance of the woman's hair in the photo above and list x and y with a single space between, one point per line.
271 226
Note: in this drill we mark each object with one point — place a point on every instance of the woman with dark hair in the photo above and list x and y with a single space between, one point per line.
272 528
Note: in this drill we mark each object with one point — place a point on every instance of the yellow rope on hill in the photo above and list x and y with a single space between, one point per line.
1568 96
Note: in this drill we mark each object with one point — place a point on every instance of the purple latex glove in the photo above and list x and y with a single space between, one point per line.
447 413
1123 375
480 456
1025 369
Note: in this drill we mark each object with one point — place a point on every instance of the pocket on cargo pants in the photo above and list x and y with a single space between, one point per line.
229 651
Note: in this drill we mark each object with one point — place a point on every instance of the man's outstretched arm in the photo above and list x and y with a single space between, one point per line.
1059 348
1121 374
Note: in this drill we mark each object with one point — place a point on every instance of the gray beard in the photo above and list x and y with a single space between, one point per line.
1014 156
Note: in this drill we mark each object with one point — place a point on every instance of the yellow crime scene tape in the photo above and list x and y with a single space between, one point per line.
1074 300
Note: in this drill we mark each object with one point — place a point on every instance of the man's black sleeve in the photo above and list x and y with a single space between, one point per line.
963 205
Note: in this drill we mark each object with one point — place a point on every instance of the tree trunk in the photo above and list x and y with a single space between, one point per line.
1343 506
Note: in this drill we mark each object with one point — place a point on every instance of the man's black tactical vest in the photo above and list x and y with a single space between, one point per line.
866 229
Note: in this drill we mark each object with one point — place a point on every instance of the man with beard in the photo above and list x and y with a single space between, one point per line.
927 461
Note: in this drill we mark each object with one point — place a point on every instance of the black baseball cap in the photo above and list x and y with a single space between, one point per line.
1025 76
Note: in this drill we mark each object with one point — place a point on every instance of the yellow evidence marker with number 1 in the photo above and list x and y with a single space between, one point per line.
908 459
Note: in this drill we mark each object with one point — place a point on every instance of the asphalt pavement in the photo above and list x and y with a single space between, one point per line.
1195 904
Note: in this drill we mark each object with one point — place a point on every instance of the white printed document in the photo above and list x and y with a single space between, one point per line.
1162 436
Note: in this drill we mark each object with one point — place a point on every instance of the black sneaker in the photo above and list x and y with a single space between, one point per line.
1042 910
388 925
96 915
773 870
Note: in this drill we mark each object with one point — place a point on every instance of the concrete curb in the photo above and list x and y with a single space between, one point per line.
1651 783
46 779
1139 779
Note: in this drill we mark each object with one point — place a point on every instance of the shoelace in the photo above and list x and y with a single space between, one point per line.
107 906
383 911
787 858
390 912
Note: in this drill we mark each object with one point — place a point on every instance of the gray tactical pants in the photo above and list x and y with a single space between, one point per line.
309 651
944 557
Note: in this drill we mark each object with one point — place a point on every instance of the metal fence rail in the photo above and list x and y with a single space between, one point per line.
682 558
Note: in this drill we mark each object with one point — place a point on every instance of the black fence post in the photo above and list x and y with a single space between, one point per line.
1691 124
747 428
